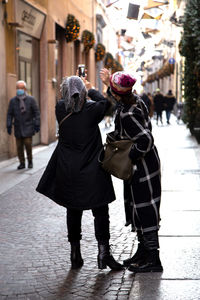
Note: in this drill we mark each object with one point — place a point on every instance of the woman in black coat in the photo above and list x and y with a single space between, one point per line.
73 177
132 122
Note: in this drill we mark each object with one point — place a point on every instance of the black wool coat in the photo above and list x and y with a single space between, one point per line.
158 102
24 123
73 177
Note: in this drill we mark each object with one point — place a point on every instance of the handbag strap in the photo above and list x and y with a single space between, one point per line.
64 118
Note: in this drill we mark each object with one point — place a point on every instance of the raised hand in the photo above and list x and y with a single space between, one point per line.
105 76
88 85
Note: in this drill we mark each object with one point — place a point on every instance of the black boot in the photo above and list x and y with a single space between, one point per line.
21 166
105 258
30 164
139 254
76 258
151 262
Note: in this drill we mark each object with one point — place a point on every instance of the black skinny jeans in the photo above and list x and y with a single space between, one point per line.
101 224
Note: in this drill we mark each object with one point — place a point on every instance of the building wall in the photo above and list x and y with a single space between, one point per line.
3 100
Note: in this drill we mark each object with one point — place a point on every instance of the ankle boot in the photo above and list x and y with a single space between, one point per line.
151 262
105 258
76 259
139 254
21 166
30 164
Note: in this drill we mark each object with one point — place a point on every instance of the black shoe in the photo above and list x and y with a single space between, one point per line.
105 259
21 166
145 268
30 165
139 256
76 258
150 264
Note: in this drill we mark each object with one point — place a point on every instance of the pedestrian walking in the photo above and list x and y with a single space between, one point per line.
169 101
158 105
132 122
24 113
73 177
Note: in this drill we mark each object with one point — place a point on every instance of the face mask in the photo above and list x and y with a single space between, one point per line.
20 92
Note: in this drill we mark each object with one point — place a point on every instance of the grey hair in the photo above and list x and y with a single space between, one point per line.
21 81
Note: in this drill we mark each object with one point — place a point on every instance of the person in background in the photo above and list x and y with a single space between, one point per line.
24 112
158 105
132 122
73 177
109 115
169 101
151 112
135 92
147 101
180 109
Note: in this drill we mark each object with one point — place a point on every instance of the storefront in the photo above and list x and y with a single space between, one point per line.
31 22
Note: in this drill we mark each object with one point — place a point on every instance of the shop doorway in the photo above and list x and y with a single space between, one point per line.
28 68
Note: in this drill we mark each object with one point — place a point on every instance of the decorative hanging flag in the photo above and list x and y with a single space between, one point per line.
152 3
146 35
150 30
133 11
158 17
109 3
146 16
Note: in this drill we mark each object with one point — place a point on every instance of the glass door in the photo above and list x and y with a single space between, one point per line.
28 57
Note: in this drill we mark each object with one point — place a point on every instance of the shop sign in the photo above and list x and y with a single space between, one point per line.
30 19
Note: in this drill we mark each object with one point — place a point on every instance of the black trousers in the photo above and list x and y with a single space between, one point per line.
101 224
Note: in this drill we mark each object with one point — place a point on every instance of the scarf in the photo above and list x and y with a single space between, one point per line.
22 103
73 93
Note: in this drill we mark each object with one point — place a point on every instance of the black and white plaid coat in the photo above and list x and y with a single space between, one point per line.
132 122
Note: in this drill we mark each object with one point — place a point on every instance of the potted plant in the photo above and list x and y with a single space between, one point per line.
100 52
72 29
87 40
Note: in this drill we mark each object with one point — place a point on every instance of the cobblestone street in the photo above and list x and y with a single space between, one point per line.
35 254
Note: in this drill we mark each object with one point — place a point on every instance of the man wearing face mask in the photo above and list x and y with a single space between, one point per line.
24 113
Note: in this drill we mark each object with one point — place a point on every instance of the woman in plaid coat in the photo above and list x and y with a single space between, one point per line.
132 122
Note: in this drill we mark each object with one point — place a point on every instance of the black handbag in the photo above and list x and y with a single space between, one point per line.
115 157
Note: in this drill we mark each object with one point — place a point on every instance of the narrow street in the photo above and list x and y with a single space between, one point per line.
35 254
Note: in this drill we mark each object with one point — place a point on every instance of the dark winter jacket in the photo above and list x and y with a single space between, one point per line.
73 177
169 101
26 123
158 102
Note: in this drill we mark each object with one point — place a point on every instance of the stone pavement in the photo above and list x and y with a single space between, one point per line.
34 252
